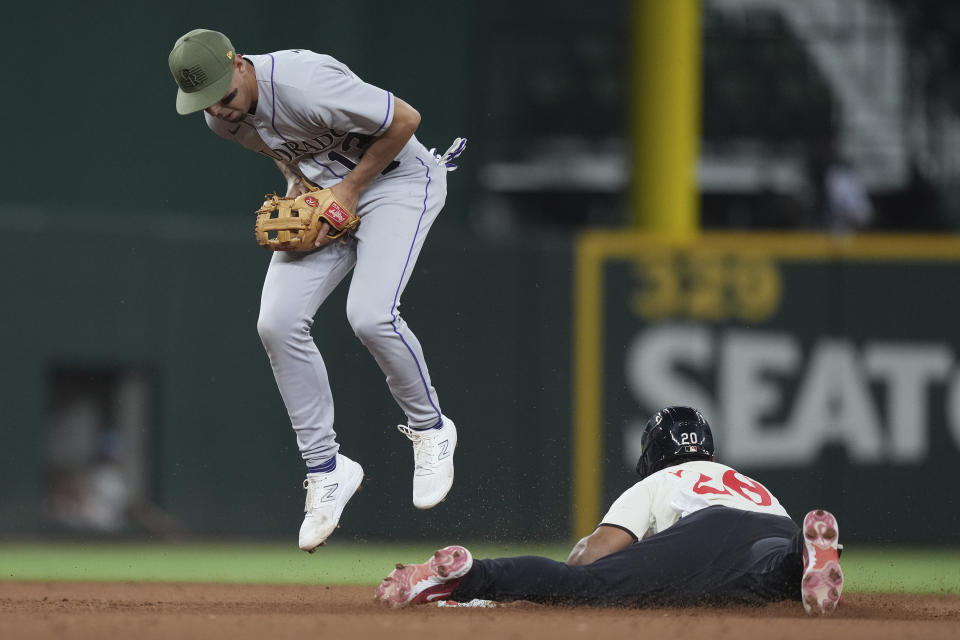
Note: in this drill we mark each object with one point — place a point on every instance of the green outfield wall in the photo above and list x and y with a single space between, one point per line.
828 368
130 280
177 300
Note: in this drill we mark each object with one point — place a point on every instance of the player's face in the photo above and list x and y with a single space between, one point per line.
238 99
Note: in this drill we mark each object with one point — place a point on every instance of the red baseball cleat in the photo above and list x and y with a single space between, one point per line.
822 582
433 580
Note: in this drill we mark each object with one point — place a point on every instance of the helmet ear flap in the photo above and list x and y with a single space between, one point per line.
650 447
642 470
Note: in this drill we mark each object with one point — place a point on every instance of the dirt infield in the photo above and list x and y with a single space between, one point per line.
148 610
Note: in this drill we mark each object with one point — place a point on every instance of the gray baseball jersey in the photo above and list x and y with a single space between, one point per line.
317 117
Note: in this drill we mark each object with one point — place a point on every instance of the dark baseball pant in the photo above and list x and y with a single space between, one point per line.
714 556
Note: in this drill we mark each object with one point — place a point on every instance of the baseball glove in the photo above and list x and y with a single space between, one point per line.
293 224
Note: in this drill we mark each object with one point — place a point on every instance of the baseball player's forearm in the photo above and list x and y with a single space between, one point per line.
577 557
295 186
602 542
380 153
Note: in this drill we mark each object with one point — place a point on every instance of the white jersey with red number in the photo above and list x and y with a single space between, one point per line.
659 500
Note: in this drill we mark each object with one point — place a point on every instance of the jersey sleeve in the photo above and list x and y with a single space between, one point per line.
338 99
632 511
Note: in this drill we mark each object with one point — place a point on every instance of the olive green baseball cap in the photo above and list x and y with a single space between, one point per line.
202 64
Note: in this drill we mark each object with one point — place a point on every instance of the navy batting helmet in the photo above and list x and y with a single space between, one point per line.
673 435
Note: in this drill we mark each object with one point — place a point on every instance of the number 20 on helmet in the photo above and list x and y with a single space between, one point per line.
674 435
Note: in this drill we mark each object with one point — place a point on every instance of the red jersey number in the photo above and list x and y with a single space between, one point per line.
735 483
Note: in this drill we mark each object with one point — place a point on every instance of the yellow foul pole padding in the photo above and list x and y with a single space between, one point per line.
665 116
665 131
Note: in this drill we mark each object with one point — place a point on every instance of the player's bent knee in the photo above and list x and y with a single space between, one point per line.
276 329
367 331
369 326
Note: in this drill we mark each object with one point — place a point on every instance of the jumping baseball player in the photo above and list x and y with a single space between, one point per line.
325 128
692 531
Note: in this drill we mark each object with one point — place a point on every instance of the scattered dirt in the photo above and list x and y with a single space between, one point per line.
114 611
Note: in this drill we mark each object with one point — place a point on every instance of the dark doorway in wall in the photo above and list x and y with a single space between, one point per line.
101 425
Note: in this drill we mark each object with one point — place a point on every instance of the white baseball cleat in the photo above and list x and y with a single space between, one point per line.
327 495
432 581
822 582
433 462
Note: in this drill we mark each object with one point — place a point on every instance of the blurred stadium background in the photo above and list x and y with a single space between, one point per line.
746 205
